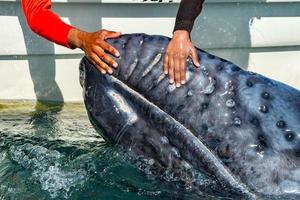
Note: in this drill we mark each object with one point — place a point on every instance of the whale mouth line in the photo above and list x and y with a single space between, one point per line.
200 148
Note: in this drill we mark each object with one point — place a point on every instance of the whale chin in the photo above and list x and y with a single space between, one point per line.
237 127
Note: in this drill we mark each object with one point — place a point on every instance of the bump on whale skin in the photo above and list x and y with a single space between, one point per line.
227 122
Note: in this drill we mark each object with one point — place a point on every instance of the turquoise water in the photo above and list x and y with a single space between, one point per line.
51 151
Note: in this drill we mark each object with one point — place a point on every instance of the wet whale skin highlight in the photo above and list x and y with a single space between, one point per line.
239 127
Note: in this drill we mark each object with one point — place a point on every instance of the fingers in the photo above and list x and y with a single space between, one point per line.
95 48
101 66
182 67
107 47
177 71
110 49
174 66
171 70
166 64
104 57
195 57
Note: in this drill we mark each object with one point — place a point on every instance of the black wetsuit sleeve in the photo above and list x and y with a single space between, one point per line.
187 13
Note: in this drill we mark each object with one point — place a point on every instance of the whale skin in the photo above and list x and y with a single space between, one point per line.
236 126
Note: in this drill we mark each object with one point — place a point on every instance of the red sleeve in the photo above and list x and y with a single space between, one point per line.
44 22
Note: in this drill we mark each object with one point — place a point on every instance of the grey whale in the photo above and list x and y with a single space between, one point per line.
237 126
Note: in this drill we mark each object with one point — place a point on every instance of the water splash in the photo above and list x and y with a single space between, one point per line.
210 88
230 103
46 167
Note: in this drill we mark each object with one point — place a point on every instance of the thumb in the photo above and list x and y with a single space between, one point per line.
112 34
195 57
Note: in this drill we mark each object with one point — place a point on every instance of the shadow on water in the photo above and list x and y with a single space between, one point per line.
43 118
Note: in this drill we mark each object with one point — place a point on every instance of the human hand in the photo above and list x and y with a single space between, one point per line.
96 48
178 50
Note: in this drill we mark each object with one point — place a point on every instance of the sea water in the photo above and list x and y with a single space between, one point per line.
51 151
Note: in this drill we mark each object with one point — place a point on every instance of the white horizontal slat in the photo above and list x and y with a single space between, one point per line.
274 31
11 40
15 80
135 25
55 80
67 78
281 66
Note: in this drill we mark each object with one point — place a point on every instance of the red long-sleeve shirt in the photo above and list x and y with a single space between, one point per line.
44 22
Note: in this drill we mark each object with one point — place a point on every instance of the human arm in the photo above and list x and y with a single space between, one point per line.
181 47
44 22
